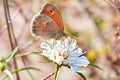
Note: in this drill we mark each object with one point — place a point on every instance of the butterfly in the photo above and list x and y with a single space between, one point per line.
47 23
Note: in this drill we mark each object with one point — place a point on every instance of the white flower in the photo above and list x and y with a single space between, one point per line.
65 52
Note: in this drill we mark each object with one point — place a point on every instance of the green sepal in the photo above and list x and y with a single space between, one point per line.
96 66
45 59
84 78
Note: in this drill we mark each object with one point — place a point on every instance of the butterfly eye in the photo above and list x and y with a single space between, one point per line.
51 10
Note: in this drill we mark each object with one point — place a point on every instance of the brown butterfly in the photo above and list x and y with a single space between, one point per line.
47 23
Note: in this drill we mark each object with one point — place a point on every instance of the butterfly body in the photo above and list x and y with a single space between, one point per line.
47 23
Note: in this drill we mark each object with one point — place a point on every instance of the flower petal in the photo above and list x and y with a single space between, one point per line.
65 52
51 42
74 68
80 70
81 61
45 46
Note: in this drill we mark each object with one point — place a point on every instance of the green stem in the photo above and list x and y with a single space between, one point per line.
57 72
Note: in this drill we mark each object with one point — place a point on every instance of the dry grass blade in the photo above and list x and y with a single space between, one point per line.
114 3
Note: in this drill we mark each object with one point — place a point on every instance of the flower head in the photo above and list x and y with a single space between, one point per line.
65 52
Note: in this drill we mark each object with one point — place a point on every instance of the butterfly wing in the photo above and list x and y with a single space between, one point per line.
51 11
43 25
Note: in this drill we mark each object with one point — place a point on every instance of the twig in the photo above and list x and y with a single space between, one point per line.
51 74
10 23
10 32
114 3
8 27
14 15
21 11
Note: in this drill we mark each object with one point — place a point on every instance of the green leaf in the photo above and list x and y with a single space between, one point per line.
92 64
84 78
28 53
57 72
98 21
22 69
11 54
26 68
